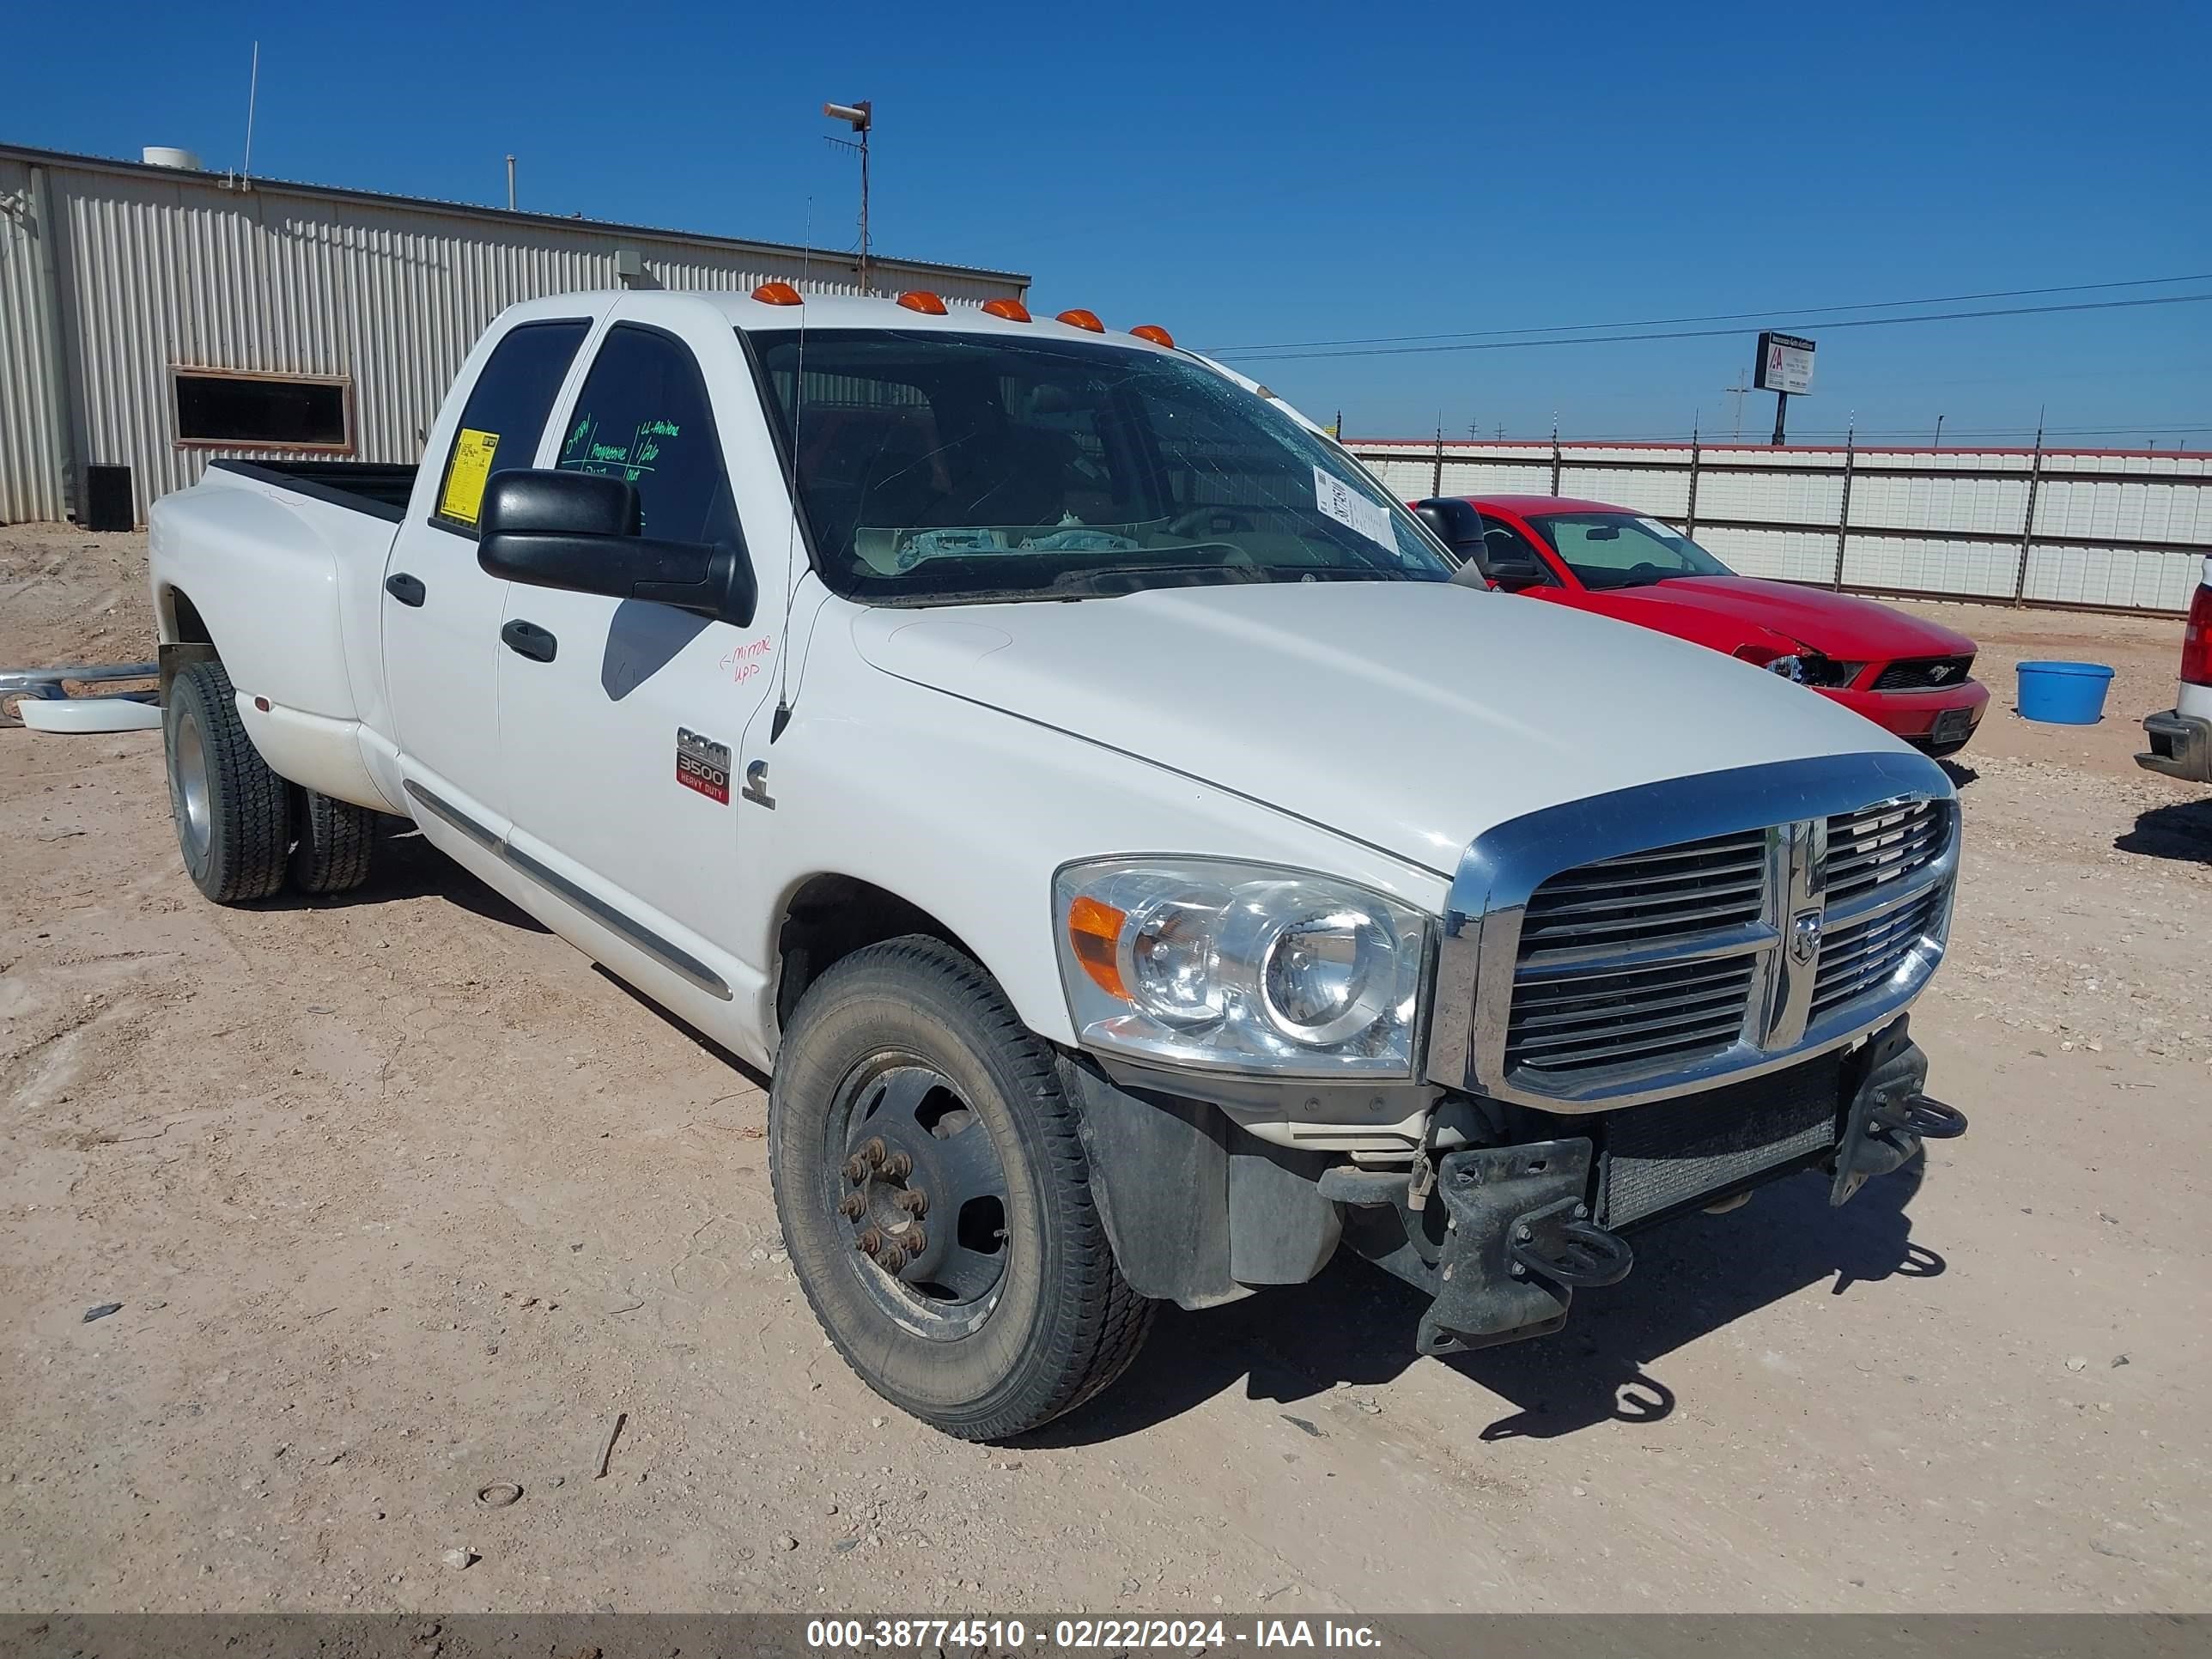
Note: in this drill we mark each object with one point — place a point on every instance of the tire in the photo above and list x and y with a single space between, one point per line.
1058 1323
331 855
231 810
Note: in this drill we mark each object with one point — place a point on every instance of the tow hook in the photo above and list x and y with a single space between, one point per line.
1562 1242
1889 1115
1931 1120
1518 1243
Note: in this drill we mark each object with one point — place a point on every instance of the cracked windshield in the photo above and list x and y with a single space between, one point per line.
939 467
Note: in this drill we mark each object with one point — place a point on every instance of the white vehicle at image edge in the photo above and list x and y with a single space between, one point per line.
2181 736
1142 869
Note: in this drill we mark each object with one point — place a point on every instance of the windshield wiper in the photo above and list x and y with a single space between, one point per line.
1112 580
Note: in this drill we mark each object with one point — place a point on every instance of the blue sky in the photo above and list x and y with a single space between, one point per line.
1246 173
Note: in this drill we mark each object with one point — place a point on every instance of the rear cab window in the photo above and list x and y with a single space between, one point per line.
505 416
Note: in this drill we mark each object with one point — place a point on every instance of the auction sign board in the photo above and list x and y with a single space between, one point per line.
1784 364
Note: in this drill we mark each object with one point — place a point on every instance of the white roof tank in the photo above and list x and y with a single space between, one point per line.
167 156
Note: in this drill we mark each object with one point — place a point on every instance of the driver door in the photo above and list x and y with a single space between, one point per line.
620 721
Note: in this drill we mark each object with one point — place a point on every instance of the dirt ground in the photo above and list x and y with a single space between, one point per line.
403 1200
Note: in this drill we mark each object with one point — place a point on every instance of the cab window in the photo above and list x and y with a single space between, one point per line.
643 417
504 416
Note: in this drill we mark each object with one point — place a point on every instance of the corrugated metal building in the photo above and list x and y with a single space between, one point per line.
155 317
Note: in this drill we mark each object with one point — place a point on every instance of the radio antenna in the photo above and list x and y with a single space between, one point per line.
791 489
252 91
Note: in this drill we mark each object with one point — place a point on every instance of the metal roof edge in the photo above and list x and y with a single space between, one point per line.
469 209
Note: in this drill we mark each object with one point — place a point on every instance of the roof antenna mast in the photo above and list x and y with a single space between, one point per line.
252 91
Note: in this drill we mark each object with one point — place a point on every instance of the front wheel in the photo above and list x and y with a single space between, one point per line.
934 1194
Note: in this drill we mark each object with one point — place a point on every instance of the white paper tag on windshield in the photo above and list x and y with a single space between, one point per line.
1340 502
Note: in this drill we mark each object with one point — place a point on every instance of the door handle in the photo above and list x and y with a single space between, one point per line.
527 639
408 590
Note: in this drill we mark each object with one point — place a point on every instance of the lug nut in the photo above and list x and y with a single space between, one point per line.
852 1207
855 1171
914 1201
874 1153
898 1166
917 1240
869 1242
891 1258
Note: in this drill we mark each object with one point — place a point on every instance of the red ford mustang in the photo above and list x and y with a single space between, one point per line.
1907 675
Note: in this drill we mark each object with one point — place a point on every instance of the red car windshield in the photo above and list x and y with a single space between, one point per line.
1624 550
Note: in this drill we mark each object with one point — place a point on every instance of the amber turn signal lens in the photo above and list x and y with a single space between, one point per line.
1081 319
922 300
1095 931
1158 337
777 294
1012 310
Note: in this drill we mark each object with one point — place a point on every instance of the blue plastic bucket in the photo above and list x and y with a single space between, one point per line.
2063 693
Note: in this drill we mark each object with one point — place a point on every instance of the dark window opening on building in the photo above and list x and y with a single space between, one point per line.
275 411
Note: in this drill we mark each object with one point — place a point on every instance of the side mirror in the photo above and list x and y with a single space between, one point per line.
1523 573
578 531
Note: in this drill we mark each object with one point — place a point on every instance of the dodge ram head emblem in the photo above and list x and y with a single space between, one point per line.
1805 937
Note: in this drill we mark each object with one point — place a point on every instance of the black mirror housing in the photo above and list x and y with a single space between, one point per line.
578 531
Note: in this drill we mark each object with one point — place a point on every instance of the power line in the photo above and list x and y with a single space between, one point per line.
1258 355
1770 314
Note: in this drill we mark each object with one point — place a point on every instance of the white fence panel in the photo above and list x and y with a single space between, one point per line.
2112 528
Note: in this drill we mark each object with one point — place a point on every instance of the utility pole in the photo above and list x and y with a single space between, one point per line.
1939 432
861 118
1737 392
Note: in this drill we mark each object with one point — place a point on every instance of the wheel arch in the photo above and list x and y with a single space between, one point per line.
824 918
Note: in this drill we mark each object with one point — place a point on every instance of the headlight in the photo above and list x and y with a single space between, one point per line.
1239 966
1791 668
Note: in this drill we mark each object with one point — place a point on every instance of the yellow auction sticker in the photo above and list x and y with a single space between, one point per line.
464 478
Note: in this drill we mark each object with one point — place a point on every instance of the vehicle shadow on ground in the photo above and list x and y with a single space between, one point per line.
1961 776
1355 1324
2181 831
404 865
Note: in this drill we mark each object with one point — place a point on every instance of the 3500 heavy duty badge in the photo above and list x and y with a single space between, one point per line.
703 765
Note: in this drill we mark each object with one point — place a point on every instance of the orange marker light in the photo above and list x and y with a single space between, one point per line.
1012 310
922 300
1095 930
1158 336
1083 320
778 294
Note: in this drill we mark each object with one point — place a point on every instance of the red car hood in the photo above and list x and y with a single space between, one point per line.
1834 624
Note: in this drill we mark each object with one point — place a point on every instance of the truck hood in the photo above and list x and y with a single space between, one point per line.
1412 716
1836 625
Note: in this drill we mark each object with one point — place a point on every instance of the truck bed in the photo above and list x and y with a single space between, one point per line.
378 487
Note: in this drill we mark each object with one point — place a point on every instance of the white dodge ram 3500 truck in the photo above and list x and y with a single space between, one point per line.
1142 869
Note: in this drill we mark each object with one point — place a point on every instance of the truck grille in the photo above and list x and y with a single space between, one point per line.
1859 956
1924 674
1653 1015
1883 844
1578 1007
1661 1156
1659 961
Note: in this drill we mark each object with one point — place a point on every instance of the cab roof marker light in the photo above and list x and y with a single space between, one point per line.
1012 310
921 300
778 294
1157 335
1080 319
